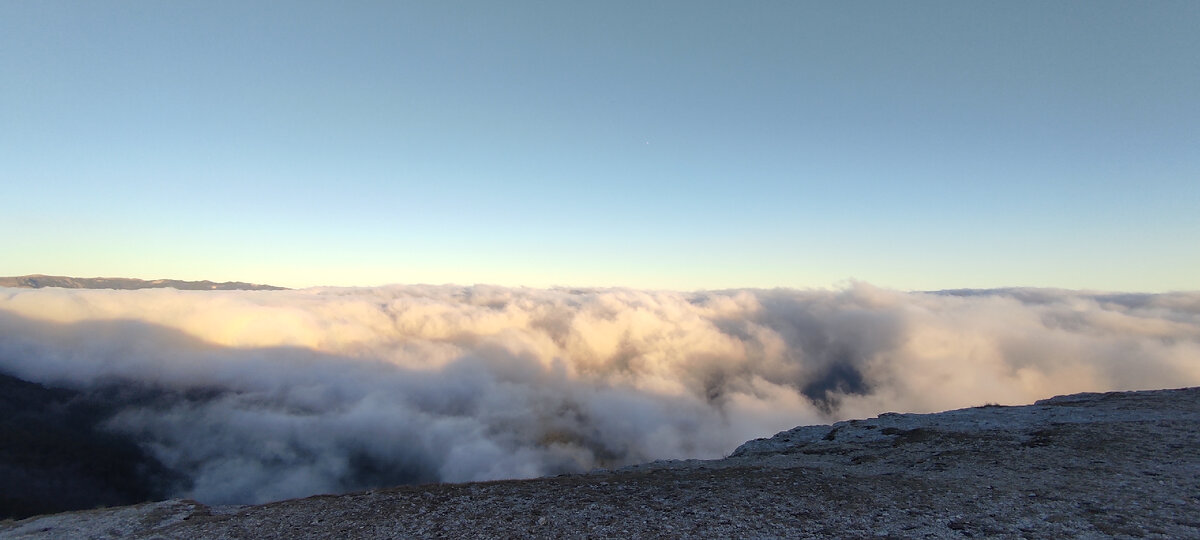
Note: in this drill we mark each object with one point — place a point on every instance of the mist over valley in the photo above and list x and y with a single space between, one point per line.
249 396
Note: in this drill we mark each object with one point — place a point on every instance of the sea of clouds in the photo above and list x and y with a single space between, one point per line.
255 396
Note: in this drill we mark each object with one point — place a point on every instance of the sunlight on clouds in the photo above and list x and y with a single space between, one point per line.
305 389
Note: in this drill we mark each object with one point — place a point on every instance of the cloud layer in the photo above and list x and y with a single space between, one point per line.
262 395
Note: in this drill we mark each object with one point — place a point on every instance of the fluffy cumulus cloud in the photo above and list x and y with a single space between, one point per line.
260 395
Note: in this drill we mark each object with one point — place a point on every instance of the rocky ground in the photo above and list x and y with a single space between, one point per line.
1087 465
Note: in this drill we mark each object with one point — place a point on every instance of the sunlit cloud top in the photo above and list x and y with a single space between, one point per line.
261 395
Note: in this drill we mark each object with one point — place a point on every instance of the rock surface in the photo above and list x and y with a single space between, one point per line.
1120 464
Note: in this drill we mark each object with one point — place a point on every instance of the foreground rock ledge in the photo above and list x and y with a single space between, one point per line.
1123 464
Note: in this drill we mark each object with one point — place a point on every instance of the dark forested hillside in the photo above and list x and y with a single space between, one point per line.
55 456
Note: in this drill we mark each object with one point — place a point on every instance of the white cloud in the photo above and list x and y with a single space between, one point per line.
264 395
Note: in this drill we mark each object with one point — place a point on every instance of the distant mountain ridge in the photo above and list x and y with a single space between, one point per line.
38 281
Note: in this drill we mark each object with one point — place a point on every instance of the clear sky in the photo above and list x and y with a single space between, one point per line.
681 145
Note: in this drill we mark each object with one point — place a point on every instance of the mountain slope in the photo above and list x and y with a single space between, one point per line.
1092 465
37 281
56 456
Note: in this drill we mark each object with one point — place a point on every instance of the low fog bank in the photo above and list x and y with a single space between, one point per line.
251 396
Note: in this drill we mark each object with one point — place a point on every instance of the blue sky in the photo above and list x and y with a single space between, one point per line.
679 145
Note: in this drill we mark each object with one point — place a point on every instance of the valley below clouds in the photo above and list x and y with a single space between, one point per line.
254 396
